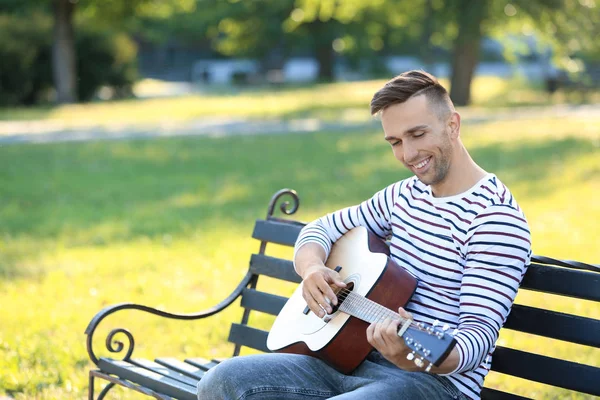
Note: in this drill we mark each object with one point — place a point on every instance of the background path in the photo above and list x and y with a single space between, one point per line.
48 131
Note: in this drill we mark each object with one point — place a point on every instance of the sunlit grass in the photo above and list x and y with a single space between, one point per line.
167 223
334 102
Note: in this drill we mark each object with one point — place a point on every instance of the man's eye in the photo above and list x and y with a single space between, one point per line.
396 143
419 134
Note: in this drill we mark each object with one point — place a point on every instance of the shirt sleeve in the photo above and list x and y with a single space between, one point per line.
374 214
498 253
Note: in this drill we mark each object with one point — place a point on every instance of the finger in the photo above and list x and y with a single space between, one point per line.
309 296
378 333
314 306
391 325
375 335
383 330
321 300
392 329
327 297
370 331
404 314
336 279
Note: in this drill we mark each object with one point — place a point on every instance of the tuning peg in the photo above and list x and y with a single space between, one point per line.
428 367
419 362
455 332
435 323
410 356
445 327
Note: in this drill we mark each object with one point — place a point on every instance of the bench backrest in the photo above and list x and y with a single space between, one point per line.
564 278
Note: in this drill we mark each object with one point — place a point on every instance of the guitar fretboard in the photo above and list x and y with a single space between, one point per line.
367 310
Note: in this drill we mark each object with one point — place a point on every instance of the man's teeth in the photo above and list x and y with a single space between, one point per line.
422 163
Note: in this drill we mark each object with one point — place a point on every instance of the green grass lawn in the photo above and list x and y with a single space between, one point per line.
167 222
337 101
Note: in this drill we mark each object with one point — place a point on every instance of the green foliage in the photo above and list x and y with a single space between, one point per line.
25 51
569 28
103 58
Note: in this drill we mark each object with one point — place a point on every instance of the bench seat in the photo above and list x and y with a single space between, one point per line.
165 378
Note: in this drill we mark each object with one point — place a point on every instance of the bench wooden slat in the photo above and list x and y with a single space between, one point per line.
493 394
556 325
263 302
274 267
552 371
249 337
148 379
182 367
164 370
202 363
276 231
563 281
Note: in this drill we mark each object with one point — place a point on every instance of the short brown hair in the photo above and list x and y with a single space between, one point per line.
410 84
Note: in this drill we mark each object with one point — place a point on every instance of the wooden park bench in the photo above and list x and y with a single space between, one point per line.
166 377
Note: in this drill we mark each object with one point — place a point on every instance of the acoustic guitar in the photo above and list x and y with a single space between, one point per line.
375 287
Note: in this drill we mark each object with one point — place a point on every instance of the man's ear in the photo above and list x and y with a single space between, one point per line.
454 125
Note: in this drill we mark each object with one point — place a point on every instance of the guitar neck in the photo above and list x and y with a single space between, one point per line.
367 310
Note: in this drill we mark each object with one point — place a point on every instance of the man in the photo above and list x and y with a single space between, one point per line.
454 226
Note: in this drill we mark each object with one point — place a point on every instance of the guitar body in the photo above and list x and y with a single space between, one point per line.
342 341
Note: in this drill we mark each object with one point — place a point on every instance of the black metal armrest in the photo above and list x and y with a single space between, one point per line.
286 207
565 263
117 346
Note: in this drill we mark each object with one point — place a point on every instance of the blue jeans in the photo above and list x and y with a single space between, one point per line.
291 376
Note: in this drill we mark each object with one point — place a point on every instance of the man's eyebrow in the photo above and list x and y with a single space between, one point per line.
409 131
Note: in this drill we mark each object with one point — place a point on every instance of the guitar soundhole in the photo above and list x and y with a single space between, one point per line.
342 294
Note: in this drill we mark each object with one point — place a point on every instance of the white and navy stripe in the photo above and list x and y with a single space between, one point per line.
469 252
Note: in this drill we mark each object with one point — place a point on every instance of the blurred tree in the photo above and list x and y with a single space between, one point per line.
361 30
469 17
570 28
103 59
25 48
109 12
271 30
365 30
63 51
567 26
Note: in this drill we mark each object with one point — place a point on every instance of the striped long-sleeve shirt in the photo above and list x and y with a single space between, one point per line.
469 253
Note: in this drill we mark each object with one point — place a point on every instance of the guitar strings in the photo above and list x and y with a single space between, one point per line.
344 293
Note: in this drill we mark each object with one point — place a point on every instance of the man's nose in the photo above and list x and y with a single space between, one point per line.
410 153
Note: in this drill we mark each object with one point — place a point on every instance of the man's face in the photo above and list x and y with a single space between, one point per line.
419 139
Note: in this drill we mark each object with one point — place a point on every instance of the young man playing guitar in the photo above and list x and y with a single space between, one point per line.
453 226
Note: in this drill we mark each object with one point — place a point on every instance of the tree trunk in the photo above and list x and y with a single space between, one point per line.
63 52
323 35
471 15
426 48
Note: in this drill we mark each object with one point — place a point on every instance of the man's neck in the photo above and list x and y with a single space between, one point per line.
462 175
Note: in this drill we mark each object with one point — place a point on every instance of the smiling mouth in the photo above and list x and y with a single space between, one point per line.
420 166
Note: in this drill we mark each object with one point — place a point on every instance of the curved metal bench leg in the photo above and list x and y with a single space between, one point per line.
105 390
91 388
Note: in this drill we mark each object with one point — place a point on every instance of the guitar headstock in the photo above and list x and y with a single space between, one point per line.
429 343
